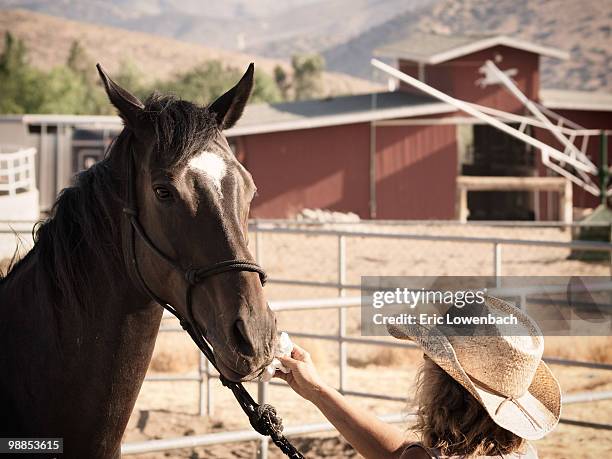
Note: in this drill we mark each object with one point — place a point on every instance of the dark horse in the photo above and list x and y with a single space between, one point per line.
77 329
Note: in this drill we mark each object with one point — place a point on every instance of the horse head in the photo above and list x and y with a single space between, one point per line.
192 198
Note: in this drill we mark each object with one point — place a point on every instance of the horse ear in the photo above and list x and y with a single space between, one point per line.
229 107
129 106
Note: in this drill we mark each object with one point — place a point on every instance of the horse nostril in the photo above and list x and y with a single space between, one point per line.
245 345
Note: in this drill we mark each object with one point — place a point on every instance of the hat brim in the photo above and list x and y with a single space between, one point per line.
530 416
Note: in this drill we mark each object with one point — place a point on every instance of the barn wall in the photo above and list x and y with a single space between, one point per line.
325 168
416 167
411 69
328 168
590 120
458 77
416 172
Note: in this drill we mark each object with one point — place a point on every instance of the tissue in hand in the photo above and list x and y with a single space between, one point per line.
283 348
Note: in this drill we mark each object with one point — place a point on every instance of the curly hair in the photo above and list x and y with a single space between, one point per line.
450 419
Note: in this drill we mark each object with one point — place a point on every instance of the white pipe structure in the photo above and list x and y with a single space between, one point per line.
535 111
193 441
511 117
559 170
547 150
313 223
499 114
561 120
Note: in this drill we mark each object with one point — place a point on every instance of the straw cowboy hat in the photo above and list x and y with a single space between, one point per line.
505 374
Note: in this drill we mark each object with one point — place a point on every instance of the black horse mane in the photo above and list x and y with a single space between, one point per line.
180 129
84 223
83 228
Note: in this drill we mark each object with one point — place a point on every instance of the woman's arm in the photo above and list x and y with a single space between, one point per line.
371 437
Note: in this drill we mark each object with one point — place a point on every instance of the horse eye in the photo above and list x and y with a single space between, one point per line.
162 193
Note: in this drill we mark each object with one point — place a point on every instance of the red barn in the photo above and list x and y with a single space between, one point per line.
398 154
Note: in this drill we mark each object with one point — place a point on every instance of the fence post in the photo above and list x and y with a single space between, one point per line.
341 314
209 395
262 398
497 263
258 245
262 387
610 253
201 369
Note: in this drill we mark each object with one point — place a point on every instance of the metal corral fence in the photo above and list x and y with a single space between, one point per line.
206 375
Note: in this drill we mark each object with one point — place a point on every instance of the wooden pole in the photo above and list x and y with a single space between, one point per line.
373 163
603 167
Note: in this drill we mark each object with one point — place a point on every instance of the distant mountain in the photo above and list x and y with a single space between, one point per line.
353 56
48 39
327 23
581 27
265 27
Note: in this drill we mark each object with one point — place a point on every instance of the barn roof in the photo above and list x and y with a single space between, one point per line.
563 99
437 48
333 111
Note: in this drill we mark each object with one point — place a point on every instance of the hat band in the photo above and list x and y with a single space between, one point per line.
534 422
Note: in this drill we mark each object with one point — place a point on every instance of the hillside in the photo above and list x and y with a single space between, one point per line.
49 38
327 23
273 28
582 28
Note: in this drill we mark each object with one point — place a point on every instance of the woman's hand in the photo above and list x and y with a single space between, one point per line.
371 437
303 378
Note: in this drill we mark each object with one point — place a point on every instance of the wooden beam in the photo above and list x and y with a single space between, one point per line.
566 213
560 185
462 205
479 183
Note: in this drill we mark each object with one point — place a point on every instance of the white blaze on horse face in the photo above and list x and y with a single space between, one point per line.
213 167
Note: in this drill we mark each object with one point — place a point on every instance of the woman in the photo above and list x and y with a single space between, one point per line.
477 396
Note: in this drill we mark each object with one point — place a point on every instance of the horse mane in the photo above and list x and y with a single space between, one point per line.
180 128
83 227
84 223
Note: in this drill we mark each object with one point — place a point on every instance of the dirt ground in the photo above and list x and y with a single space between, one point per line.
169 409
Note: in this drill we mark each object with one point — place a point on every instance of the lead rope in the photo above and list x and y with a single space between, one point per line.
263 418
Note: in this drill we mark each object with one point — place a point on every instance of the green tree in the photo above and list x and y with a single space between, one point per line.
14 55
282 81
265 89
307 73
66 92
75 88
130 77
22 86
209 80
201 84
88 89
81 63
